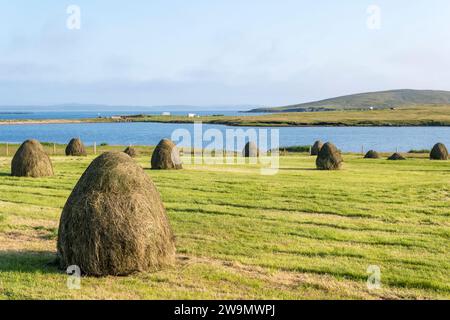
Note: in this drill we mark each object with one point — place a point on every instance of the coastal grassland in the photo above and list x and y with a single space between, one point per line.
300 234
414 115
438 115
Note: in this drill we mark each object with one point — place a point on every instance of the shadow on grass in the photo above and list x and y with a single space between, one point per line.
5 174
298 169
28 261
424 170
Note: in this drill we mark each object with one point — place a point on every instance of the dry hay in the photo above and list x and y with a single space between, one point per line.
372 154
76 148
31 160
250 150
166 156
316 147
396 156
114 222
132 152
439 152
329 158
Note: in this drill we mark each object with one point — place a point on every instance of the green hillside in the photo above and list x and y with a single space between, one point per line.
377 100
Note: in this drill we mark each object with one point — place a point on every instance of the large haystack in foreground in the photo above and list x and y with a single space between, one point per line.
250 150
31 160
166 156
114 222
132 152
316 147
76 148
439 152
396 156
372 154
329 158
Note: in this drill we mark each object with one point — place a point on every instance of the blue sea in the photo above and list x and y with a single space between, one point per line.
348 139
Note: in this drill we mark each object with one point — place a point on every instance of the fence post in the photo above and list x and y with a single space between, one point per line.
54 149
7 149
95 148
310 149
362 149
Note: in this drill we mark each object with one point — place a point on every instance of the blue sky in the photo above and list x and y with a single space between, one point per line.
210 52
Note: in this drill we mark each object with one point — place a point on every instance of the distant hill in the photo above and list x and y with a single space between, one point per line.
377 100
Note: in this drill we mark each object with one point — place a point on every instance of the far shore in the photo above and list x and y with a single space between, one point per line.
414 116
44 121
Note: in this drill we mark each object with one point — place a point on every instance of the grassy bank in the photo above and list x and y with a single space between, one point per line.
405 116
300 234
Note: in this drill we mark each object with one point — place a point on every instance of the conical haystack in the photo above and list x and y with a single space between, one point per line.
316 147
132 152
372 154
329 158
439 152
76 148
166 156
396 156
114 222
250 150
31 160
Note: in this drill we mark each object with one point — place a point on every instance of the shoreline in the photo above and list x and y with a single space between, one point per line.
425 123
43 121
417 116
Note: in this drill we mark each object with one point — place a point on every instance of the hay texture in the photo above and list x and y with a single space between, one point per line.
114 222
132 152
76 148
372 154
250 150
396 156
439 152
31 160
329 158
316 147
166 156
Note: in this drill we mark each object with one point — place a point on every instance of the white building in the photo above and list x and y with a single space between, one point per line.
165 113
191 115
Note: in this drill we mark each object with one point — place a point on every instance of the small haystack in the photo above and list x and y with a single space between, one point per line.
316 147
76 148
372 154
329 158
31 160
439 152
250 150
396 156
166 156
114 222
132 152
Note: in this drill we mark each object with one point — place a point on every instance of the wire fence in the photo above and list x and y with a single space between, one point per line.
57 149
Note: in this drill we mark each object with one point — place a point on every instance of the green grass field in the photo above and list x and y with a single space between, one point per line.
301 234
